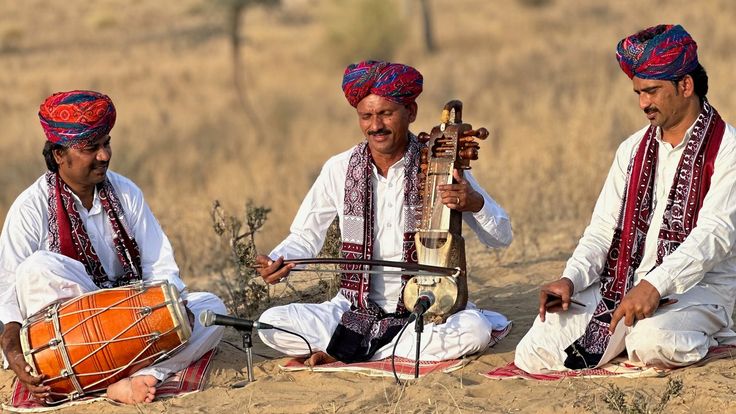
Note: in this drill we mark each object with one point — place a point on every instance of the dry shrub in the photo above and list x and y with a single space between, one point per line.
11 37
241 287
640 402
363 29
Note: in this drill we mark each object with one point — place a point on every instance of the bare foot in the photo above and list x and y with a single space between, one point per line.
319 358
133 390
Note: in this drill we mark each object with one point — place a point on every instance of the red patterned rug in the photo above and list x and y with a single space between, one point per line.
188 380
382 368
620 367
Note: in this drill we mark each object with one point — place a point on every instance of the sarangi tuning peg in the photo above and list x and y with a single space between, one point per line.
470 153
480 133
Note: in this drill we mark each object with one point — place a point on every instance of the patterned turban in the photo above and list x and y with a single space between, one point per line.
72 119
393 81
663 52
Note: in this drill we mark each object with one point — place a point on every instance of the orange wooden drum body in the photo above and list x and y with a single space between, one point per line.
89 342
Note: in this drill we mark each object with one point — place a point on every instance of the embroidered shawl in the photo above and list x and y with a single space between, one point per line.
68 236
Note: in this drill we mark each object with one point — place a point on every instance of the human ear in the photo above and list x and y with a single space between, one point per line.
413 109
688 86
58 155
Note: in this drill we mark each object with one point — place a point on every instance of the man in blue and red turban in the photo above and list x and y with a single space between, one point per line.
395 82
374 190
664 52
655 271
80 228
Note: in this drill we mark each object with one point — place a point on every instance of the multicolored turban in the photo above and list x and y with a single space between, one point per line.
663 52
74 118
393 81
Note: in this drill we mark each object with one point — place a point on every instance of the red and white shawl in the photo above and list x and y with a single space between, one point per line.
68 236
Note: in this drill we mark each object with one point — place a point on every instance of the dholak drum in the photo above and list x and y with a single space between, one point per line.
85 344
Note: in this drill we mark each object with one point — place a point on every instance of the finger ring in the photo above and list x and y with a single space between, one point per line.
458 200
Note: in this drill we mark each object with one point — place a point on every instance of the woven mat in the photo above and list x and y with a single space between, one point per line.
619 367
382 368
186 381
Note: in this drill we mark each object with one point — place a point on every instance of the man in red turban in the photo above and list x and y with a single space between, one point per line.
655 271
80 228
71 119
374 190
392 81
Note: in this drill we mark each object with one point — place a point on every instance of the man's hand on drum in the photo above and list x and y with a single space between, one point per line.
14 354
273 271
460 196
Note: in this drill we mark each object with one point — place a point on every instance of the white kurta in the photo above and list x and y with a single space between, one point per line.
31 276
463 333
700 274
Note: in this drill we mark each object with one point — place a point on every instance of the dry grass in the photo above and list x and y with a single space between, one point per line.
541 75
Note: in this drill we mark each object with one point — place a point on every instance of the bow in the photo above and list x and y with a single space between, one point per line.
407 268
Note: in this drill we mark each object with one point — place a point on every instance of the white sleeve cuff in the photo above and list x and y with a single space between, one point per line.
578 282
661 280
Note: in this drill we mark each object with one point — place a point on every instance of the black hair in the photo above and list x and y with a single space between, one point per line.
48 155
700 82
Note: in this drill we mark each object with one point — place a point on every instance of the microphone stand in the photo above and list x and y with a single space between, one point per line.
245 327
248 345
418 329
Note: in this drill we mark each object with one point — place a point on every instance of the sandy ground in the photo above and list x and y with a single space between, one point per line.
510 289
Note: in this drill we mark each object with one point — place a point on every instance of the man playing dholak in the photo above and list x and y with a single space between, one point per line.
373 188
80 228
655 268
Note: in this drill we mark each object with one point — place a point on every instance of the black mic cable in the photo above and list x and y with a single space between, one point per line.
209 318
411 318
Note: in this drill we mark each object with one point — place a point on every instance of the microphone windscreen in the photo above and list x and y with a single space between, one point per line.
206 318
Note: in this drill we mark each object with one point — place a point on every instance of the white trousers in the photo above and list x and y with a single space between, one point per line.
45 277
466 332
674 336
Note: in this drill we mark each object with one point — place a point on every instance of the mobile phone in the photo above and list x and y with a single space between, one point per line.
557 300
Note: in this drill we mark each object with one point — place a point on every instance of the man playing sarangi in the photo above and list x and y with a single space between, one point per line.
80 228
373 189
655 269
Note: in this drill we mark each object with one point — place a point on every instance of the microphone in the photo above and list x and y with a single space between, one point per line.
425 301
209 318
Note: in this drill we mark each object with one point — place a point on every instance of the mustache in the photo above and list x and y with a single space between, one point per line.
382 131
101 164
650 109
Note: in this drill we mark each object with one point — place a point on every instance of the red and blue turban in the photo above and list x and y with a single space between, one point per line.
393 81
72 119
663 52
